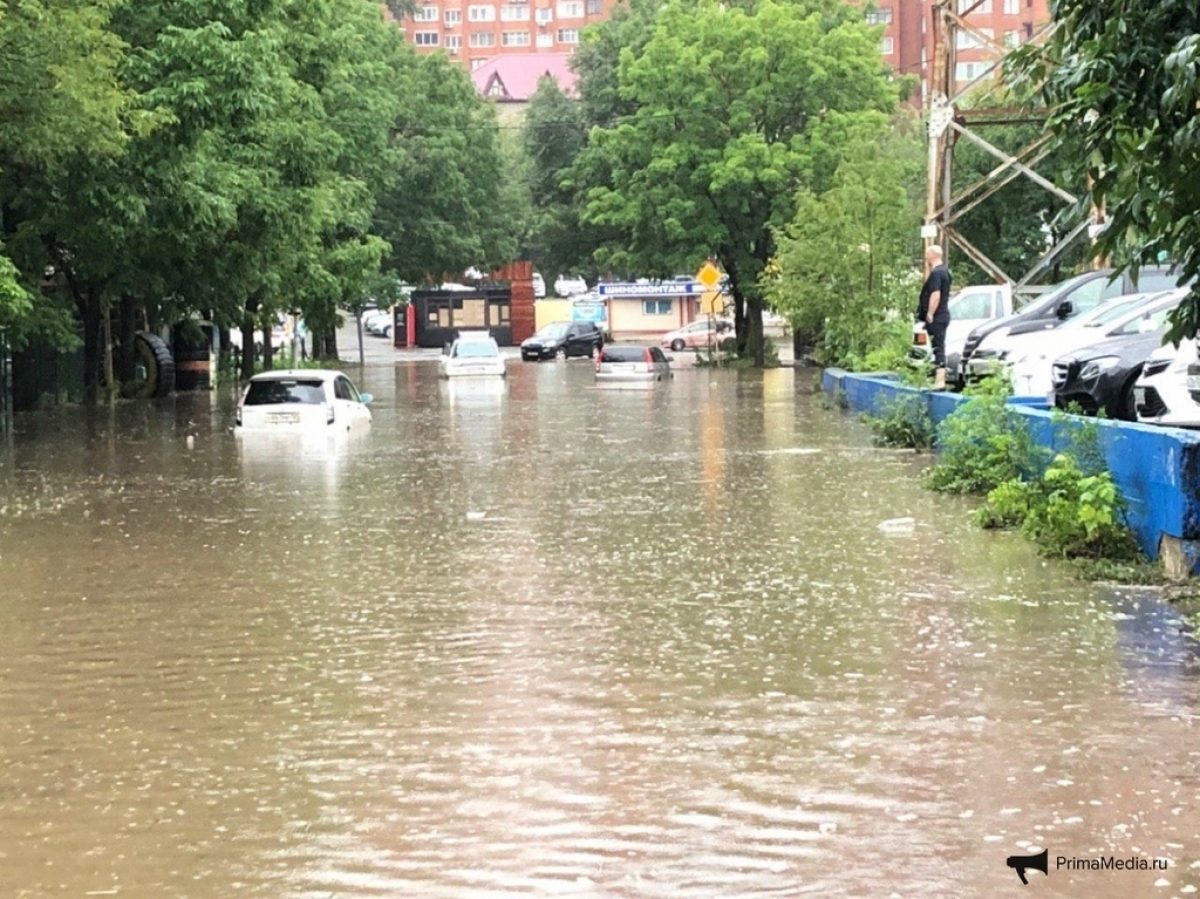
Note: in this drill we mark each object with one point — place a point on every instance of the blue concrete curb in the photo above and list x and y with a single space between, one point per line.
1157 469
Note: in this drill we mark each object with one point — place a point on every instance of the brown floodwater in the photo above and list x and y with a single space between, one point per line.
543 639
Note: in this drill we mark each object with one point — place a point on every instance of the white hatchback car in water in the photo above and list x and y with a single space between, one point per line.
302 400
473 354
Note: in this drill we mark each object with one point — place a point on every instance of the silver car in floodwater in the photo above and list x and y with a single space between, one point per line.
632 363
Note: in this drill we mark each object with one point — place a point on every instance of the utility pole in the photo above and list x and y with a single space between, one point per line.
950 118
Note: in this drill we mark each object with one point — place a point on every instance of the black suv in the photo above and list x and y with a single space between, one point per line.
565 339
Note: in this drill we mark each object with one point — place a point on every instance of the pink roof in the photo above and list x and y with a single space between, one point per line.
514 77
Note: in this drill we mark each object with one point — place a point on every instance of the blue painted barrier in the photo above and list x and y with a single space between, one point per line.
1157 469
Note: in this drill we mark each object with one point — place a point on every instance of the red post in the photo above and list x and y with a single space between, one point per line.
410 322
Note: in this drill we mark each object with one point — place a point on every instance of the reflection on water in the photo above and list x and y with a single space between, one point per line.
528 637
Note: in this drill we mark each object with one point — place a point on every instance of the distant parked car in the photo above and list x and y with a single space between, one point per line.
376 321
473 354
568 286
1101 377
564 339
632 363
701 334
539 286
304 400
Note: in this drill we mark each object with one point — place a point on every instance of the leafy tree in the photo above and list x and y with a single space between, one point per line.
445 208
552 136
720 138
1123 80
843 263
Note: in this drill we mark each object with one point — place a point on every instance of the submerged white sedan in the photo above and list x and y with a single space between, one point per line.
302 400
473 354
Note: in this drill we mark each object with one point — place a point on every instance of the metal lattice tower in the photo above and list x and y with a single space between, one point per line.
951 119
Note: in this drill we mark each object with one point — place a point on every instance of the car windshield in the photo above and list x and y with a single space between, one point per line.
554 331
1113 311
277 392
1152 320
475 349
1050 300
624 354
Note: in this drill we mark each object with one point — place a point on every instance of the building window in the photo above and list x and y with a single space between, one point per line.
570 9
1012 38
514 39
1012 7
483 39
425 14
880 16
514 14
544 16
594 7
983 9
426 38
453 16
656 307
967 41
545 41
568 35
453 42
886 46
969 71
481 13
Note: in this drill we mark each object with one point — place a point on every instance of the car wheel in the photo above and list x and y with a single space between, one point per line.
677 345
1126 406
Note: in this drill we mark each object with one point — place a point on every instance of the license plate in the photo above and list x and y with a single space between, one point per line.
1139 396
283 418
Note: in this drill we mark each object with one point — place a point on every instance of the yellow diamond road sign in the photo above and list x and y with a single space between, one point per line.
709 275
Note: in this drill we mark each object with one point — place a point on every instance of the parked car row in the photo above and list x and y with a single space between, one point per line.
1093 342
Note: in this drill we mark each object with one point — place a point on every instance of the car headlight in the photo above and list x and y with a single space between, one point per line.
1095 367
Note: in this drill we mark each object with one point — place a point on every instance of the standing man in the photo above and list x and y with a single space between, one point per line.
934 310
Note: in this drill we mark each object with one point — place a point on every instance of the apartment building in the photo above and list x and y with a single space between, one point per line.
907 42
477 32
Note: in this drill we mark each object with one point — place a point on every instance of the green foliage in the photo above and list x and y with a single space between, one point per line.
845 272
879 346
1007 505
1123 83
1067 512
981 445
720 110
905 423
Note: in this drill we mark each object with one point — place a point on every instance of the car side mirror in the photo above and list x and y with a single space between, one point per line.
669 358
1065 309
365 398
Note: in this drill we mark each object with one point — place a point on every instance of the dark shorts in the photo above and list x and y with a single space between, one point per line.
937 340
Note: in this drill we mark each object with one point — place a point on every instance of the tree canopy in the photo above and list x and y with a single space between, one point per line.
229 160
725 111
1123 81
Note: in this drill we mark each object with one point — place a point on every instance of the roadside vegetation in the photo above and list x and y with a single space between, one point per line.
164 161
1066 502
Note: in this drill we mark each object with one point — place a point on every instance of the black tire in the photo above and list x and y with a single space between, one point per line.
1125 406
677 345
155 357
729 344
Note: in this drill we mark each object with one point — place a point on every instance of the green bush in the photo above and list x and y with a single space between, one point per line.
905 423
1066 511
1007 506
982 445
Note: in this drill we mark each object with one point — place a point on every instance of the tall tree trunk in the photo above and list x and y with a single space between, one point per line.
89 314
268 347
755 331
126 362
110 378
248 328
361 357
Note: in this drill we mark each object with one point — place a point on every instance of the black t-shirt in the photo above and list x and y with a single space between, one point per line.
938 280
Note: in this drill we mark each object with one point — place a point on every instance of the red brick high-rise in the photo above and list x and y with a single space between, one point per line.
475 31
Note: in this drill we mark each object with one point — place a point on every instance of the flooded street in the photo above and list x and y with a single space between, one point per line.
539 639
